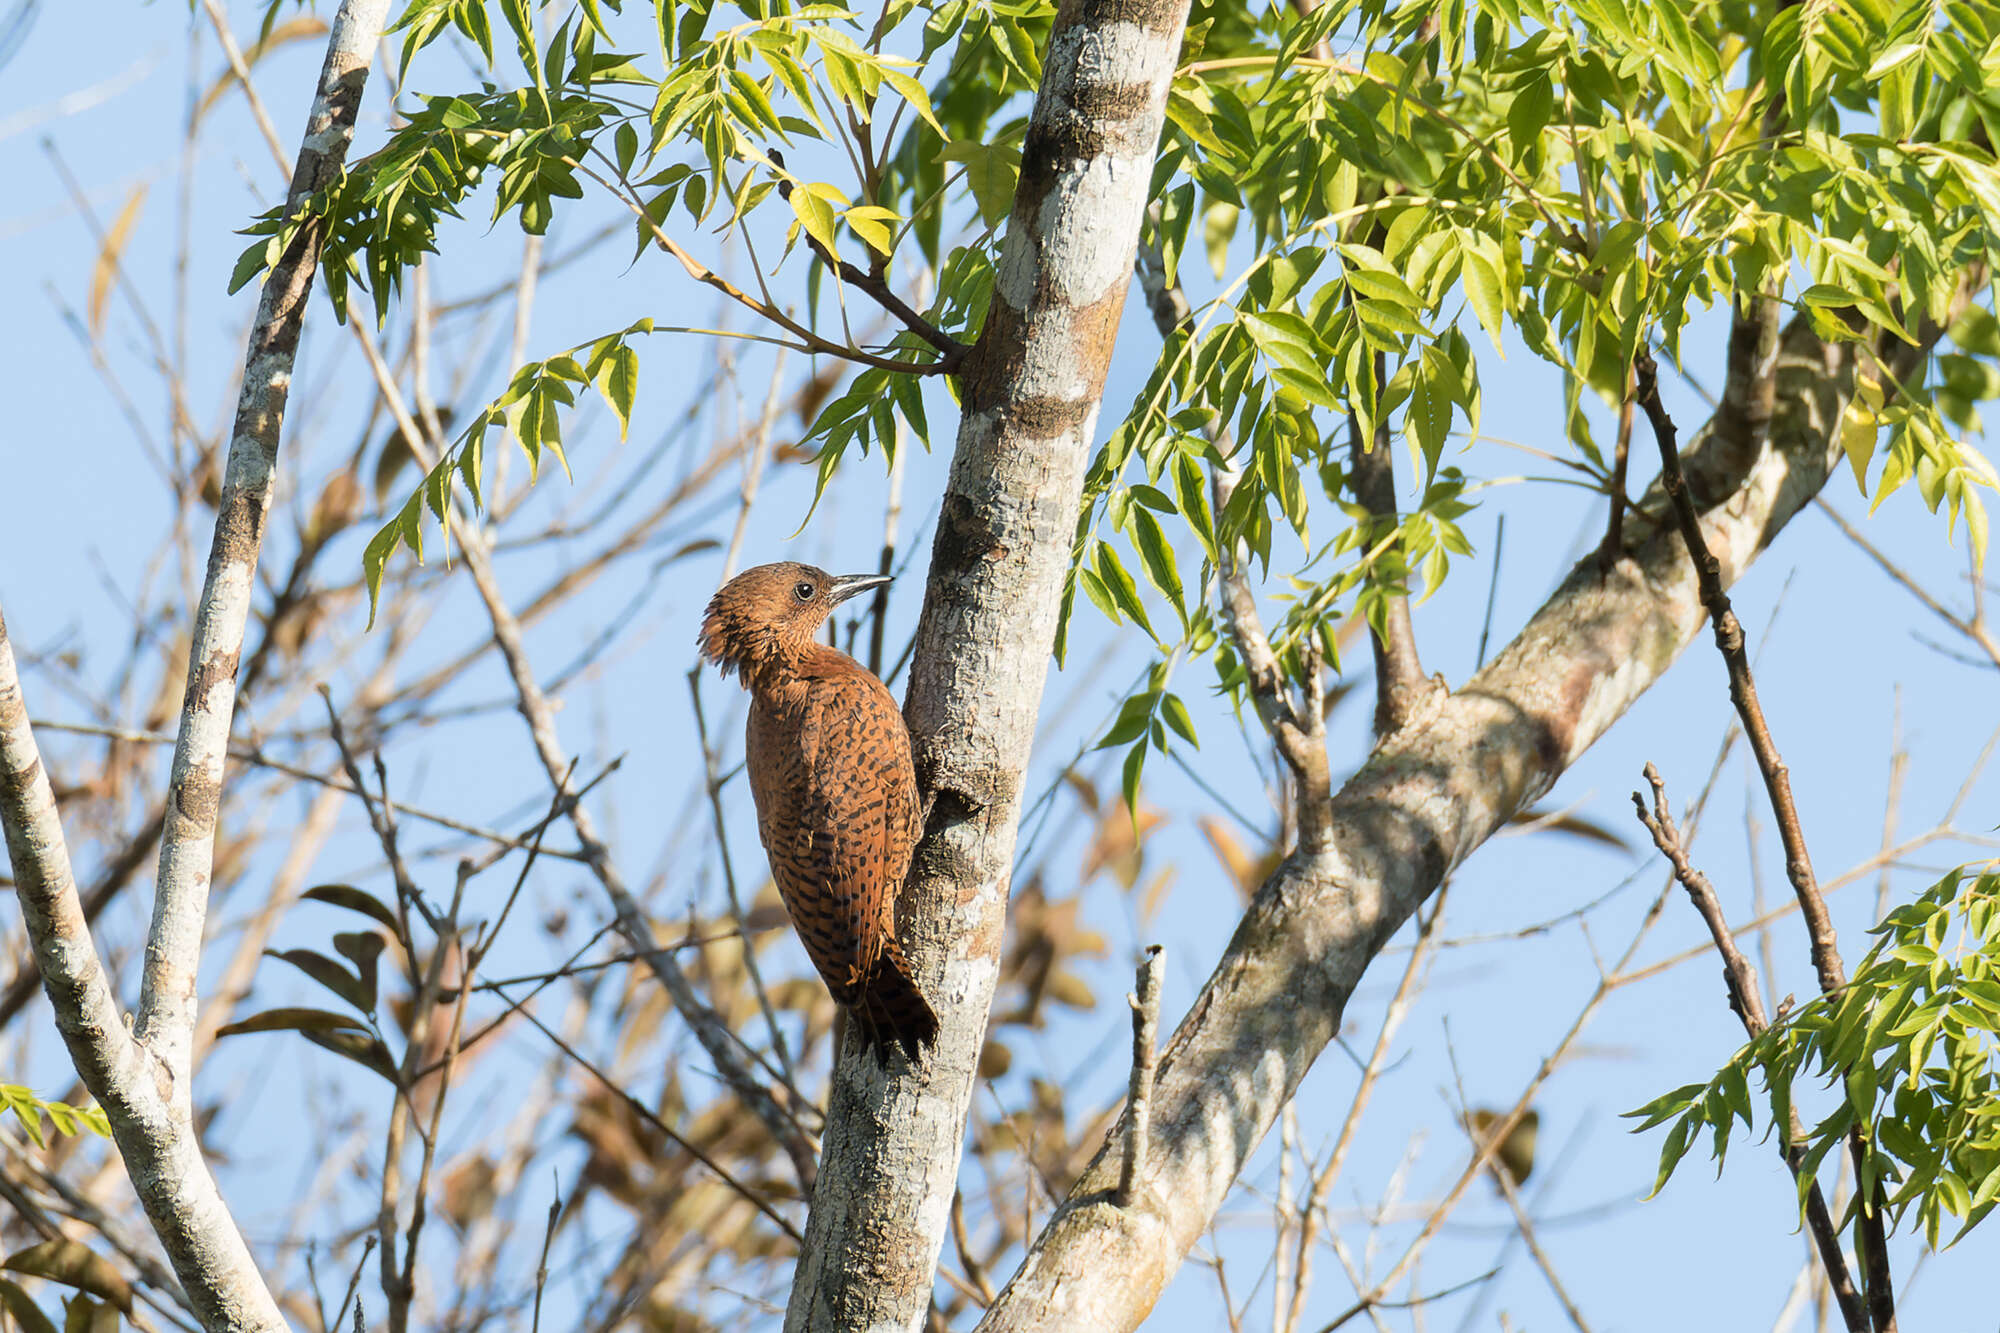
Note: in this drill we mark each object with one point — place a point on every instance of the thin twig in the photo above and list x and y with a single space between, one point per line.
756 450
1778 785
1974 628
1322 1186
251 754
542 1266
1370 1303
672 1135
1746 1002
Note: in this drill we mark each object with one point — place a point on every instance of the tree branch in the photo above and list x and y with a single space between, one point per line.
1400 683
1778 785
1425 800
1746 1001
159 1146
144 1077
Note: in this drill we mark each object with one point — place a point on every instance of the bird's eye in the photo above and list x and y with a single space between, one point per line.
803 590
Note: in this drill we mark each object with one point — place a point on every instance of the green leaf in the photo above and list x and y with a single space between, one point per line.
617 381
991 171
1679 1139
1482 292
1529 113
1158 557
815 214
1119 586
1193 493
1128 782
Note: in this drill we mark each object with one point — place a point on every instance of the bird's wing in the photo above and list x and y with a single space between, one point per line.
859 813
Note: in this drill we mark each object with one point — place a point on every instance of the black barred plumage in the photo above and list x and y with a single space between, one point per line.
829 765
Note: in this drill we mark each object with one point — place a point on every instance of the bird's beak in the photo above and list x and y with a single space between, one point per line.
848 585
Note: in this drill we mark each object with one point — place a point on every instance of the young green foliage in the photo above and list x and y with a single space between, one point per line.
1909 1051
1368 184
29 1111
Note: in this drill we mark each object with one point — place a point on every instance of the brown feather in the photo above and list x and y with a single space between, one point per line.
829 765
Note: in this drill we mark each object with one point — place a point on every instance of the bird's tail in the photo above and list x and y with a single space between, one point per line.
892 1008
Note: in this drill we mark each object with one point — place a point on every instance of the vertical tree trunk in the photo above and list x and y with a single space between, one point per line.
1031 392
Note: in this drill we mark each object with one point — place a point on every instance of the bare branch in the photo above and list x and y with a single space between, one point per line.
1747 1002
1145 1002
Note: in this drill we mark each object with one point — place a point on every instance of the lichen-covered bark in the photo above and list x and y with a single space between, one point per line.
165 1022
158 1146
1426 799
1031 391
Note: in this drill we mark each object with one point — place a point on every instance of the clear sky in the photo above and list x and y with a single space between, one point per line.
1846 659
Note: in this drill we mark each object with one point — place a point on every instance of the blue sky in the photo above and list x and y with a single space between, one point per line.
1845 660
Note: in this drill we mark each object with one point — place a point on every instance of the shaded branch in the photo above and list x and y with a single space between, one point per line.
1871 1229
1400 683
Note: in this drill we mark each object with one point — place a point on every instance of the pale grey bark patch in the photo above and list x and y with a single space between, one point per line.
1031 392
156 1142
1425 800
167 1002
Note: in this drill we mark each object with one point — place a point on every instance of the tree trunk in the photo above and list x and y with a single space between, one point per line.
1031 391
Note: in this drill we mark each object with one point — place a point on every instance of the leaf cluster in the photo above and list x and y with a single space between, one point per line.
1910 1050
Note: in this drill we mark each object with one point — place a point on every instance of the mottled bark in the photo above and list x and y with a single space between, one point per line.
158 1144
1400 683
1426 799
1031 391
143 1075
166 1017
